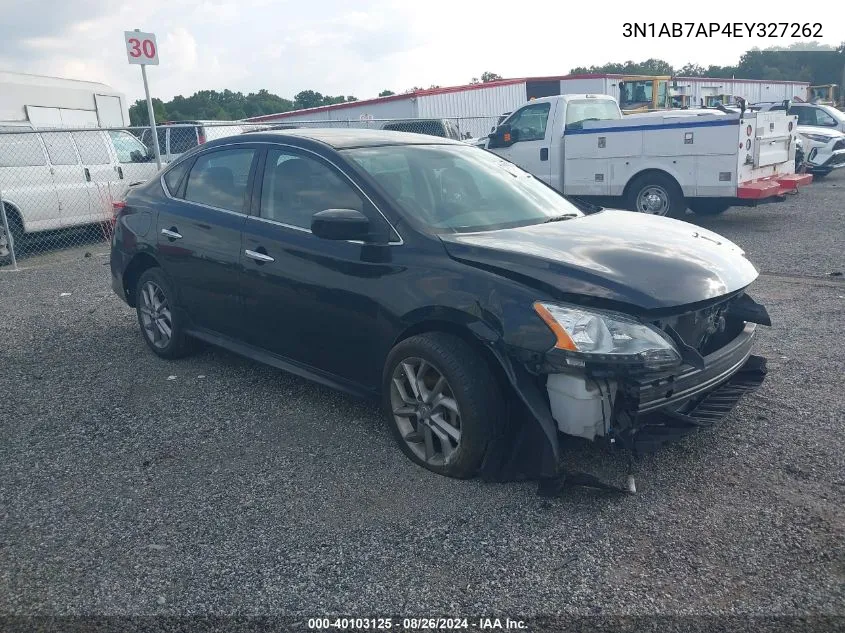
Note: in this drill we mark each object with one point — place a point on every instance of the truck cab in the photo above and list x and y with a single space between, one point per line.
527 136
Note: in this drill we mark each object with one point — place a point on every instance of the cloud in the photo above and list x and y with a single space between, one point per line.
180 47
336 47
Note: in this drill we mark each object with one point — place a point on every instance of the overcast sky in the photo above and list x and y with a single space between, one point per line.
361 48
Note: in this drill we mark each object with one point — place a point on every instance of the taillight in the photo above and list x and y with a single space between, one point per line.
117 207
200 137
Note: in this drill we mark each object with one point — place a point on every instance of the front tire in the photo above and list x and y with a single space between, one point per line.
160 321
442 403
656 194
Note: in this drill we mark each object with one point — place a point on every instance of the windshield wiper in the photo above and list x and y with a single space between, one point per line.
559 218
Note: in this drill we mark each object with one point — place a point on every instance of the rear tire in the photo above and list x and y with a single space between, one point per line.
656 194
449 439
159 317
703 206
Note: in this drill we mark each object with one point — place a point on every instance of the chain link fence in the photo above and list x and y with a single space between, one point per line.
59 186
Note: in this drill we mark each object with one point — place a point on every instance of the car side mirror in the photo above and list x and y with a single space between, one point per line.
340 224
136 156
503 136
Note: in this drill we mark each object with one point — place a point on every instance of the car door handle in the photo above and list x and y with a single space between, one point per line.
87 173
120 172
172 233
259 257
544 153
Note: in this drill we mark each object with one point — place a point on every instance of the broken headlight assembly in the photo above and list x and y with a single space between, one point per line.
607 337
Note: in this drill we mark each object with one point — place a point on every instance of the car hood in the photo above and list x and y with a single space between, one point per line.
814 129
624 257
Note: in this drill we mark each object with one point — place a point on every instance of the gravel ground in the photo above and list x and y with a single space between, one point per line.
131 485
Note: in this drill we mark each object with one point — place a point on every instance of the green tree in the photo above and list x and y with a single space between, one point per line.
487 77
386 93
139 115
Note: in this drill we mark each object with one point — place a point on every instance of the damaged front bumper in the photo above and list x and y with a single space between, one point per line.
625 406
629 408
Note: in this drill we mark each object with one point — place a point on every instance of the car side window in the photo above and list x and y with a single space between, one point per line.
530 122
805 115
295 187
128 148
173 177
824 119
60 148
21 150
92 148
219 179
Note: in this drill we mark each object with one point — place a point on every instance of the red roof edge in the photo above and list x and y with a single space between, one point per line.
479 86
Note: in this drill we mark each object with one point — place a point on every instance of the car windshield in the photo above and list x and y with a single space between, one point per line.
454 189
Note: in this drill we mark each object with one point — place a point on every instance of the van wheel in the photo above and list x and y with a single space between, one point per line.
702 206
657 194
161 325
15 240
441 402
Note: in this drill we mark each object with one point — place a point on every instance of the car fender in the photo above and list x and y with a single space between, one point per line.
528 447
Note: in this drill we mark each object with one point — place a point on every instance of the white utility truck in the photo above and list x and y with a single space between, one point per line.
660 163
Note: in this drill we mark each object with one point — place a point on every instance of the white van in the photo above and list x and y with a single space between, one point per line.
54 179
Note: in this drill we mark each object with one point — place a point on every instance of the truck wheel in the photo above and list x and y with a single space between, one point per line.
441 402
703 206
657 194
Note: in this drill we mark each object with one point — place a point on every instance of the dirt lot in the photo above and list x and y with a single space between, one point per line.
132 485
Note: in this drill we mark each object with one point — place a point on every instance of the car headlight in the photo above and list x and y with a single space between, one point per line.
818 138
587 335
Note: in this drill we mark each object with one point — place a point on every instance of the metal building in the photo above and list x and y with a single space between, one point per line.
475 106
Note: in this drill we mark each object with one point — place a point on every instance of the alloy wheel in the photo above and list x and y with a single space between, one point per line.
155 315
425 411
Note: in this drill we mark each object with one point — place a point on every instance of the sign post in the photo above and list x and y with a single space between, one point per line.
141 48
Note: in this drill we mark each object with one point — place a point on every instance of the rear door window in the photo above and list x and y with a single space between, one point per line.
805 115
219 179
182 139
60 148
92 148
173 177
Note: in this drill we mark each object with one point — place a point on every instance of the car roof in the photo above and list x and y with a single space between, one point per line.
346 138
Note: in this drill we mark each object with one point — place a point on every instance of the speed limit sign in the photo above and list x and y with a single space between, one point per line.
141 48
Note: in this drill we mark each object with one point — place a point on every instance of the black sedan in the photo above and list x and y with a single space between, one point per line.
490 315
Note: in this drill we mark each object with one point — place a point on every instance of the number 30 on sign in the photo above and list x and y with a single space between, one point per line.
141 48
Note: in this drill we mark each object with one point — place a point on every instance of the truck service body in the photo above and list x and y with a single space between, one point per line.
658 162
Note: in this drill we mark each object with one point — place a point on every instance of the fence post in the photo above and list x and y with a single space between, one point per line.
9 237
